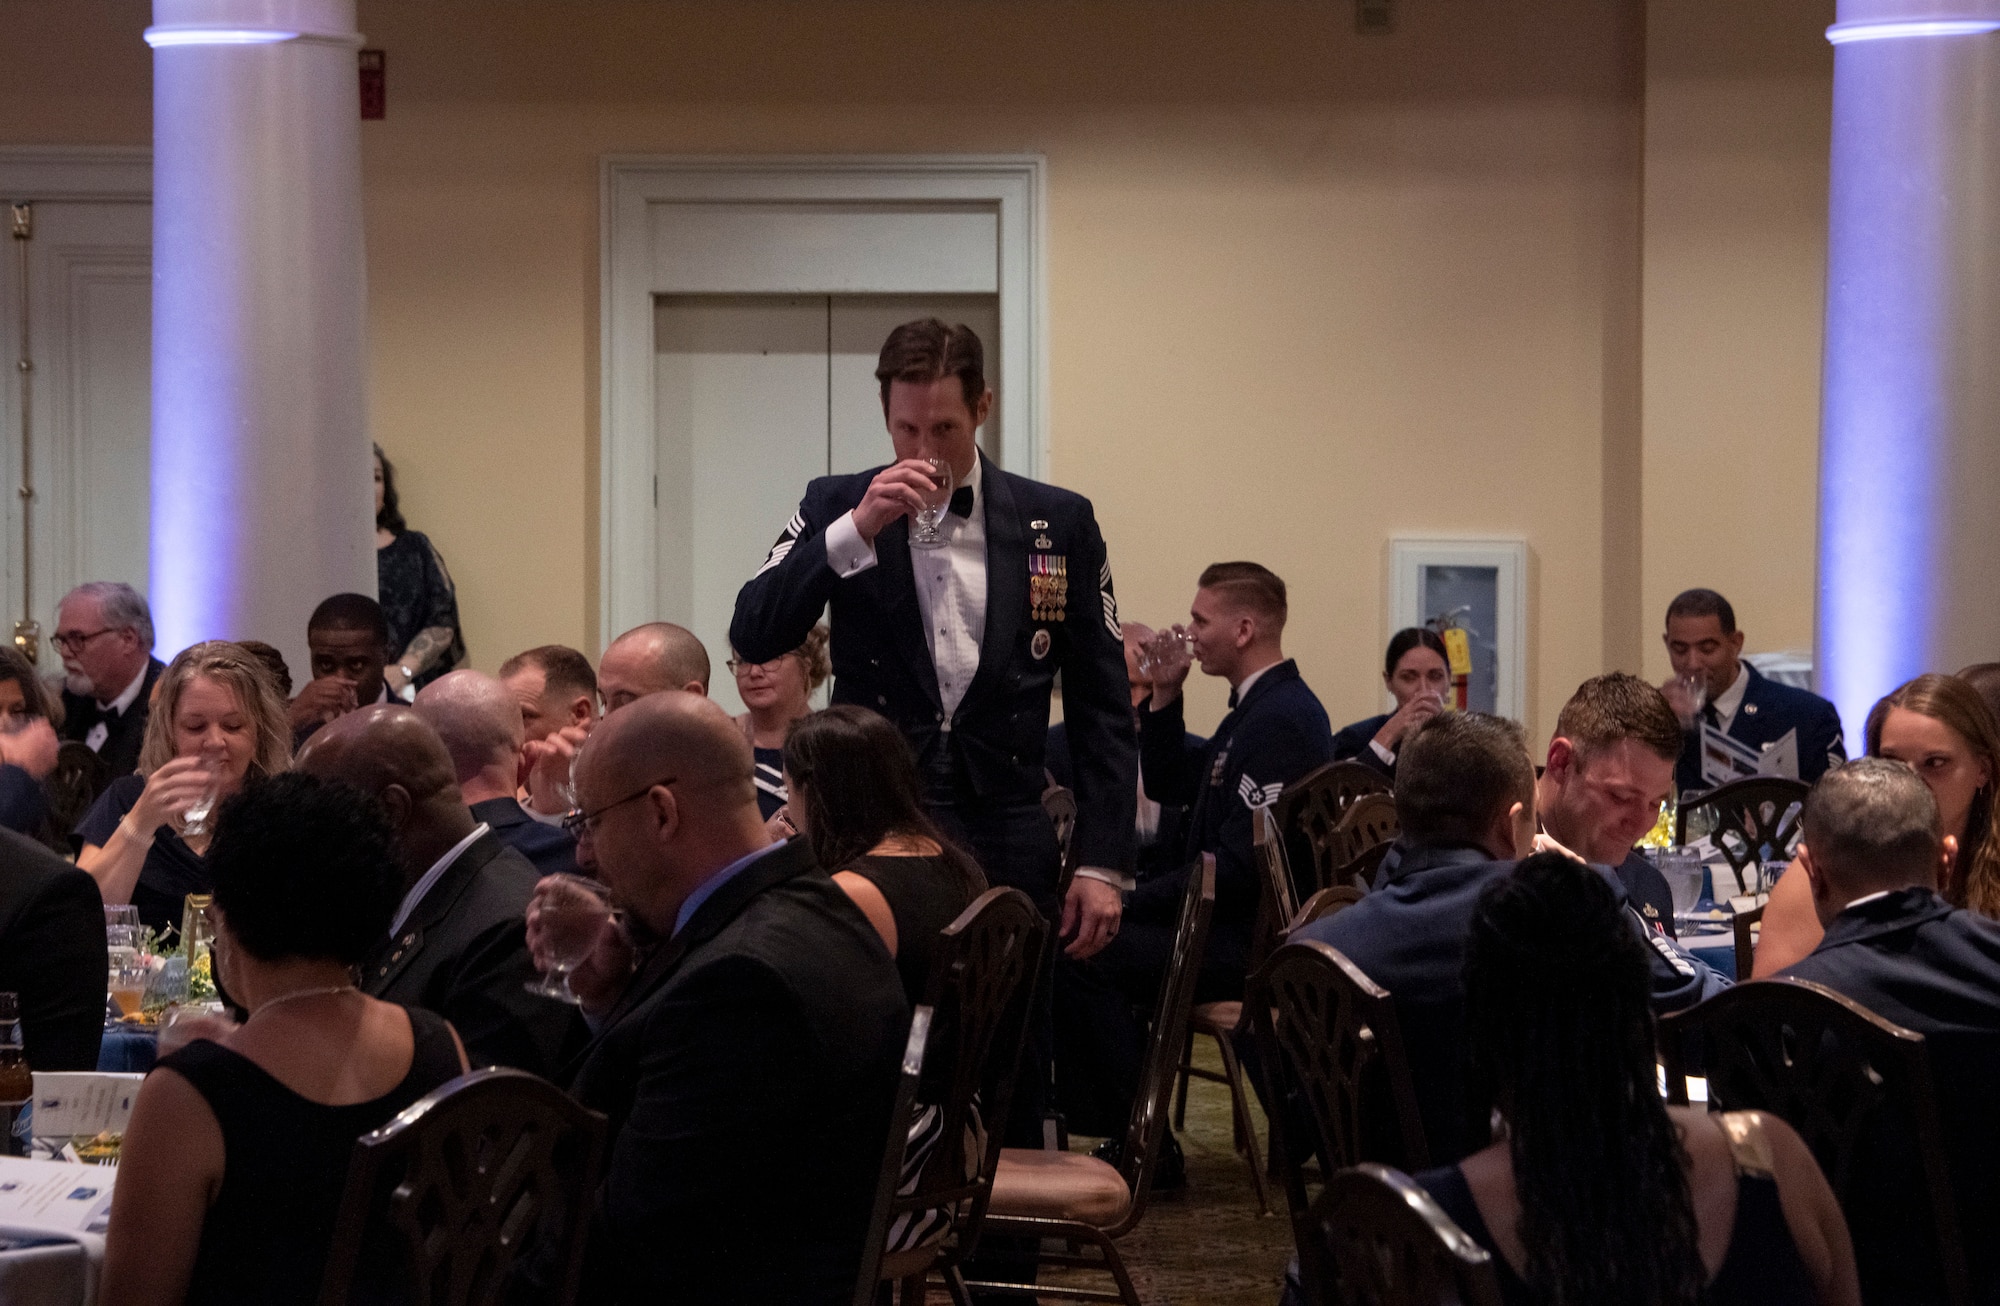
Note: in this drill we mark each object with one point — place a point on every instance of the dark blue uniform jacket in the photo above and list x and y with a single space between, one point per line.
1409 937
881 660
1768 710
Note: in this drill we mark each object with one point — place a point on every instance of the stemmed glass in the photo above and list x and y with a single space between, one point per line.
1694 692
926 526
572 911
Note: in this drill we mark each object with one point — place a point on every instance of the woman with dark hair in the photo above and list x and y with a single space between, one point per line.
1599 1192
1942 729
231 1171
28 751
1417 672
854 797
418 599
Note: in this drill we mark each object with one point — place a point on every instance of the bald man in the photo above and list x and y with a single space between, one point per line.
644 660
746 1067
647 659
457 944
479 720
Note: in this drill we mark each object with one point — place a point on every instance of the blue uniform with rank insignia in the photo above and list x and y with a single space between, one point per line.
1049 607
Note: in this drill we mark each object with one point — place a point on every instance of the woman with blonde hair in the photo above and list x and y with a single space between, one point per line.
778 693
218 720
1942 729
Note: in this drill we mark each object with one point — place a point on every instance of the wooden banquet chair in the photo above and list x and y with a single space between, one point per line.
1370 821
442 1201
1762 812
1392 1245
1310 809
1333 1059
1325 903
965 1041
1080 1200
1220 1020
1834 1071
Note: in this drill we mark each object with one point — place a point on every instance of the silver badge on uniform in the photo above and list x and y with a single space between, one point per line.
1039 645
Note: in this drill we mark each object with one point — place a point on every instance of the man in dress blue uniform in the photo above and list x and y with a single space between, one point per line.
1465 794
1874 856
1702 640
959 644
1276 731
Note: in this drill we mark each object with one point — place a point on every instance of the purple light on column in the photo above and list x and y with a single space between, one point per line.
1910 201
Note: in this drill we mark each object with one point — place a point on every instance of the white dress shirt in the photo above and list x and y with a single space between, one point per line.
417 891
1730 699
951 589
94 738
951 593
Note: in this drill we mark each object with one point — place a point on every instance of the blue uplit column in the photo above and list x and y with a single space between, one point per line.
262 501
1909 535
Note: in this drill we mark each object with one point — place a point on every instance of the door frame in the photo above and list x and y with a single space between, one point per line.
50 174
1014 186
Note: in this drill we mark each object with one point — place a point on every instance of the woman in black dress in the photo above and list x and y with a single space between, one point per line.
854 796
778 693
419 602
232 1167
1599 1192
217 722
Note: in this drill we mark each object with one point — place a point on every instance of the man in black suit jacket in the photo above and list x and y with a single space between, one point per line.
1873 855
747 1065
104 634
480 721
457 945
1703 641
1465 796
52 954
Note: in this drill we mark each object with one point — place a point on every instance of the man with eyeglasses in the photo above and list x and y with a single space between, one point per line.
104 635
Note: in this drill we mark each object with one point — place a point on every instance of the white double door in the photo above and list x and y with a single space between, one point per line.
755 395
80 316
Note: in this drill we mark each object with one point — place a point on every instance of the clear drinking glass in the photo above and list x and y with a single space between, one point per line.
1683 872
194 821
128 986
1166 648
572 912
122 931
1694 689
926 526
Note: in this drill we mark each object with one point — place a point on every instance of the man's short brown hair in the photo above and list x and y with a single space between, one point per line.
1607 709
928 350
1252 585
1459 774
566 673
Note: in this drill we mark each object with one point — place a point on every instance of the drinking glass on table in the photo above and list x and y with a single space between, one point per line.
572 912
926 524
128 985
122 930
1683 872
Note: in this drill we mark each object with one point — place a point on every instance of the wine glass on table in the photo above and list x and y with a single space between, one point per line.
572 912
927 524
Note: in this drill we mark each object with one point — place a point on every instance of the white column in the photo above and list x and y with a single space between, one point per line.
1909 537
262 500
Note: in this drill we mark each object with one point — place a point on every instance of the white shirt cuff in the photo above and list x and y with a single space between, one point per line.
543 817
1388 757
846 552
1122 883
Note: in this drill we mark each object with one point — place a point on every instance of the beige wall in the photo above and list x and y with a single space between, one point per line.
1737 135
1307 289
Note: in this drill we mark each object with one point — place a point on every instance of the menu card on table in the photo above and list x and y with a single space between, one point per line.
58 1198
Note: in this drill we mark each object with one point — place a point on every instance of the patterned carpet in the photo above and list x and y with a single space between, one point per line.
1204 1245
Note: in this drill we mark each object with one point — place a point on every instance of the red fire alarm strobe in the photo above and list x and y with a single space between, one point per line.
374 84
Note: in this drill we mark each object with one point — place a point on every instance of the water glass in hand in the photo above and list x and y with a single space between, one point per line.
926 527
572 912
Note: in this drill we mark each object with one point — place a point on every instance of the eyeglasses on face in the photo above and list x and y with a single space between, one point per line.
580 823
72 641
738 666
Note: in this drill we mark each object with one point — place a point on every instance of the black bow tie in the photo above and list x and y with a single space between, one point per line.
961 501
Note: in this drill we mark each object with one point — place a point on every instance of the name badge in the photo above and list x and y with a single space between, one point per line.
1048 586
